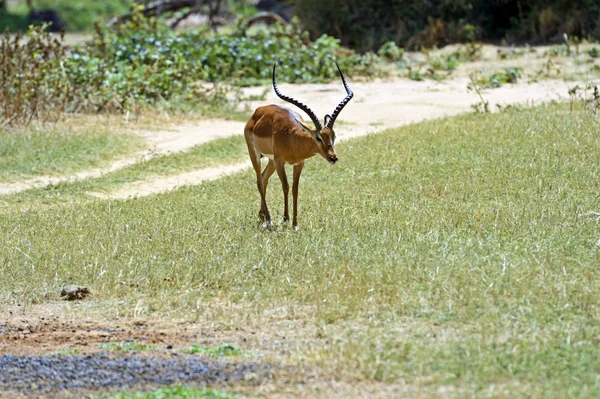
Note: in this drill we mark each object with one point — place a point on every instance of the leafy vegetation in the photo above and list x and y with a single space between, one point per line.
143 62
216 351
33 79
127 346
497 79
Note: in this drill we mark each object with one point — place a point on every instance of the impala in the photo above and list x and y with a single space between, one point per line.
280 134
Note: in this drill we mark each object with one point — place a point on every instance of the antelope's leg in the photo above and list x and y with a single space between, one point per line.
286 187
266 174
297 172
255 159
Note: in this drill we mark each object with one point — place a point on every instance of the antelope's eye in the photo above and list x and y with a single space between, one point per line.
319 139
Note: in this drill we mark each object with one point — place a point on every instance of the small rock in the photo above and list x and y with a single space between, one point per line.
73 292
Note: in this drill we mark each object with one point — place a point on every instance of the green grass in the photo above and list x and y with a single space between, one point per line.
35 152
215 351
126 347
217 152
460 253
176 393
65 352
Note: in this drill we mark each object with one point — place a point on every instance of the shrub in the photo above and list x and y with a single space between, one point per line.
33 82
143 62
497 79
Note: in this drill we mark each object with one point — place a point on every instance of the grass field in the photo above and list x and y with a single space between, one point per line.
458 256
52 151
213 153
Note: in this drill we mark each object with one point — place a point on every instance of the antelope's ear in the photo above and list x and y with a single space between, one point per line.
304 127
327 120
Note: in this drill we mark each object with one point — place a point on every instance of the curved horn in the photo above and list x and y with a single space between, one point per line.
343 103
297 103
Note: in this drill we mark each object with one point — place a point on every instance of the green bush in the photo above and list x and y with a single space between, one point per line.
497 79
80 15
144 62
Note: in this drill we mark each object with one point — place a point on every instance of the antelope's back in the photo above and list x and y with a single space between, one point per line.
266 118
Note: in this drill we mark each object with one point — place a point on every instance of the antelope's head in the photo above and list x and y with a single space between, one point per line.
323 135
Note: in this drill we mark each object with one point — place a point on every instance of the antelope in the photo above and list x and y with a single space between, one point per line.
281 135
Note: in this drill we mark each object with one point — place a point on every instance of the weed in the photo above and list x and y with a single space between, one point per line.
548 70
513 52
126 347
65 352
215 351
589 96
594 52
33 80
390 52
482 106
497 79
446 63
415 74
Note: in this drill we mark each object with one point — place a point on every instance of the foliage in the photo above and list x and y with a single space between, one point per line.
144 62
33 77
511 53
497 79
366 25
14 20
390 52
415 74
594 52
444 62
126 346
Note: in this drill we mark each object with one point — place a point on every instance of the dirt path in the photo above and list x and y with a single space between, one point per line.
159 142
377 105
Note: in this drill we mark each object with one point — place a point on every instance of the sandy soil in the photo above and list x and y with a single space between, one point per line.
159 142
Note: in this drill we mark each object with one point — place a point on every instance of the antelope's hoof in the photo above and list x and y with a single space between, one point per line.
267 224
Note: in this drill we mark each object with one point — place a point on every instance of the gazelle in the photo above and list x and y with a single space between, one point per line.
280 134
